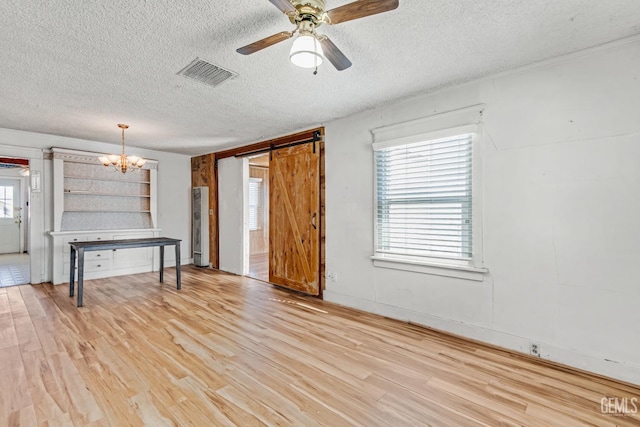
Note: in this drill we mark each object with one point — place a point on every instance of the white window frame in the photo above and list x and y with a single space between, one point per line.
444 125
259 207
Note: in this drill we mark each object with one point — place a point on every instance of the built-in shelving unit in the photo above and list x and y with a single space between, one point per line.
92 202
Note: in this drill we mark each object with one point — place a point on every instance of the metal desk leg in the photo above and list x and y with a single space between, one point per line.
72 264
161 263
178 265
80 274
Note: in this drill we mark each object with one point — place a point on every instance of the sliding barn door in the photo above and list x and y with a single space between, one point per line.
294 218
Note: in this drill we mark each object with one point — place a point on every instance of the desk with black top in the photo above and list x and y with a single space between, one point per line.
79 248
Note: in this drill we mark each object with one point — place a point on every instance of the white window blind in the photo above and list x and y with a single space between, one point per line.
424 199
255 203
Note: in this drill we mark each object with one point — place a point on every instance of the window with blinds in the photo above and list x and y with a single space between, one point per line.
424 199
255 204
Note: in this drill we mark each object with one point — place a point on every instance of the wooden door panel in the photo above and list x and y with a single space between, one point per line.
294 230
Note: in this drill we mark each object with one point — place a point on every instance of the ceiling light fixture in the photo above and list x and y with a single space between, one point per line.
306 51
122 162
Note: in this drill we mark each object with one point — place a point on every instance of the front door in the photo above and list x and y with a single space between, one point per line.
294 218
10 216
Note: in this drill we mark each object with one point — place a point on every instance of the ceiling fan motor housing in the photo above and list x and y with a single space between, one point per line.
312 11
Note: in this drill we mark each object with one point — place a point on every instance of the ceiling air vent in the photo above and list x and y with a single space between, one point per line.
206 73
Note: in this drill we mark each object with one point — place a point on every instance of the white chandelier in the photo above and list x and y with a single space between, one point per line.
122 162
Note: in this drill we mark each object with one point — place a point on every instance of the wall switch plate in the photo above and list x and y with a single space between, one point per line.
332 275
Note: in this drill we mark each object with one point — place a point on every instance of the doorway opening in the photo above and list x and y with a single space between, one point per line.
258 218
294 211
14 221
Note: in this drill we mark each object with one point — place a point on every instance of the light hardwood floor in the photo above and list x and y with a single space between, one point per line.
259 266
227 350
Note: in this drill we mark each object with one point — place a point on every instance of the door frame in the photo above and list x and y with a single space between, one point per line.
256 148
37 242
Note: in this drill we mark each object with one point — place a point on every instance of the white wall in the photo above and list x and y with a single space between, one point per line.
174 191
233 176
561 196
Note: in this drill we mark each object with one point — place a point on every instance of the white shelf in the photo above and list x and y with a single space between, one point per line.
88 178
108 210
92 193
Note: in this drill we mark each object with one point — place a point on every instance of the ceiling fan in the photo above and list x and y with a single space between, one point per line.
309 47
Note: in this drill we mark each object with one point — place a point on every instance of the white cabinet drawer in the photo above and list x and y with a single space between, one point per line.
97 255
134 257
98 265
94 237
89 266
66 240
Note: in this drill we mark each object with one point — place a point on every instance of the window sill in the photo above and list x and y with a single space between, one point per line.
437 269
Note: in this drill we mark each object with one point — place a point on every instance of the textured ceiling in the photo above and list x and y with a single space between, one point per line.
77 68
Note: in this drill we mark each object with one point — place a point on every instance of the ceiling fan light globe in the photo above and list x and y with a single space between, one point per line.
306 52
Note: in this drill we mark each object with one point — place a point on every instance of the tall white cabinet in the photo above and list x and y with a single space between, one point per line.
92 202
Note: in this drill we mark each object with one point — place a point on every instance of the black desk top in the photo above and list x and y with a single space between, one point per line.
101 245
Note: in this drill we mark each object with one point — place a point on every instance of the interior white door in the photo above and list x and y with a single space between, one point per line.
10 216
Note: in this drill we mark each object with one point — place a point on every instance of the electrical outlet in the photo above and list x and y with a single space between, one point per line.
332 275
534 349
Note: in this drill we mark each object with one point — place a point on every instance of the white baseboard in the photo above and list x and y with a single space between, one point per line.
614 369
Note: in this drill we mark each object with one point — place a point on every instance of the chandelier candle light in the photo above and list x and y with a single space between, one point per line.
122 162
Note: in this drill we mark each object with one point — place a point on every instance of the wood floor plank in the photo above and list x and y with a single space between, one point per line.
14 387
228 350
4 302
18 306
51 401
24 417
8 335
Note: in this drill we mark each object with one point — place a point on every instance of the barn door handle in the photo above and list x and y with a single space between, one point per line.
313 221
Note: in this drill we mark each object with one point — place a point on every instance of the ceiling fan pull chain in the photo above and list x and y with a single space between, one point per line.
315 48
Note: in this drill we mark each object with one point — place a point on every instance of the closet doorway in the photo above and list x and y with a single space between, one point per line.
258 217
